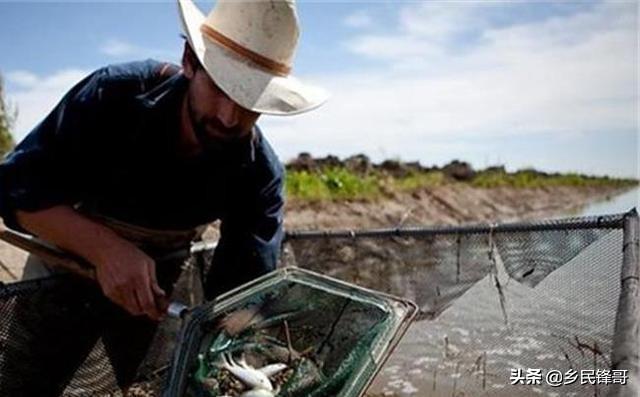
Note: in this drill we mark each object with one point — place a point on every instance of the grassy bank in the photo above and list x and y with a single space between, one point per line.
342 183
535 179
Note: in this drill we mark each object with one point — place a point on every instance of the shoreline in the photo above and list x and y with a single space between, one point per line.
450 204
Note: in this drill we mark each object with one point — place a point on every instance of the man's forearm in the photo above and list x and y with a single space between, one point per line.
71 231
126 274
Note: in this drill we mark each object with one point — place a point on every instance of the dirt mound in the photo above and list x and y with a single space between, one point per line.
450 204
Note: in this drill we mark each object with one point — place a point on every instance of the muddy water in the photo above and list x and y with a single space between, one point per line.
470 351
614 205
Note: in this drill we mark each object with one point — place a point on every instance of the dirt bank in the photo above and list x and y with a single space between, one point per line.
451 204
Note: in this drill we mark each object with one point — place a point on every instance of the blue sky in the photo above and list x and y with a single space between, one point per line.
551 85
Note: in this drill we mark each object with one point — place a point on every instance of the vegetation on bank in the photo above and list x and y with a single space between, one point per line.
346 180
7 117
332 183
534 179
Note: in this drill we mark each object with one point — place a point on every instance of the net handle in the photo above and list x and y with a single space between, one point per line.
48 254
69 262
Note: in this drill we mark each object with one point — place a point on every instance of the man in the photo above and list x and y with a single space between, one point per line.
135 157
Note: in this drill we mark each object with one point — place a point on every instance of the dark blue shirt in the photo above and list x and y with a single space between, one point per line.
109 147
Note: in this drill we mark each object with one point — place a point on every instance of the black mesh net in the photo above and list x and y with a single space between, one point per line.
497 303
61 325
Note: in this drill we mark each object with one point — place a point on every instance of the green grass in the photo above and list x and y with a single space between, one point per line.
419 180
331 184
533 179
338 183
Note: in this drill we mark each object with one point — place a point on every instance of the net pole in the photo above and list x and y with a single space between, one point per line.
601 222
626 350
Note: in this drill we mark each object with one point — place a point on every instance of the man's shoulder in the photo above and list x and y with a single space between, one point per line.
133 78
266 157
132 70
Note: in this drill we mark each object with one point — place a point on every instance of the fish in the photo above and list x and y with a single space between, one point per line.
248 375
268 370
258 393
272 369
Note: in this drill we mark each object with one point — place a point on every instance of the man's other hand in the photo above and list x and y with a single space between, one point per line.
127 276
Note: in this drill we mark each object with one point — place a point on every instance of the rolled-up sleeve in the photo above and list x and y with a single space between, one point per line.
250 237
44 169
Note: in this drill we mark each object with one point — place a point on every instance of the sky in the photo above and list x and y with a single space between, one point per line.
551 85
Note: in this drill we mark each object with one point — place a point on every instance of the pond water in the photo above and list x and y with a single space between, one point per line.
614 205
565 322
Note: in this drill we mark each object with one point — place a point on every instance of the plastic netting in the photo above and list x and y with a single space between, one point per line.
316 337
64 324
494 299
499 304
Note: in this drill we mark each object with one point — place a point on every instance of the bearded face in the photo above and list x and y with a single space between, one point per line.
216 119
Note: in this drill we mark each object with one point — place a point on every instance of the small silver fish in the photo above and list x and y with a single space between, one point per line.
258 393
272 369
250 376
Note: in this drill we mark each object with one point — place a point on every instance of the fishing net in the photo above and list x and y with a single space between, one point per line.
501 308
505 310
65 325
292 333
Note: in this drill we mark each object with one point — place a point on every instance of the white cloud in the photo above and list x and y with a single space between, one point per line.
118 48
392 48
359 19
22 78
438 21
36 95
572 75
121 49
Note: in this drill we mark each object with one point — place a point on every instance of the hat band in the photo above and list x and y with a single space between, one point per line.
269 65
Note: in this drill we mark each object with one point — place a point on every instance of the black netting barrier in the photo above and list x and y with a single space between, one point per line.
500 304
497 304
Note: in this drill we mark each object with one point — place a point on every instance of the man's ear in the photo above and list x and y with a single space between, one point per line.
188 59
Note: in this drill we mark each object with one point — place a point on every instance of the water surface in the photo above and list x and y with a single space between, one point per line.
614 205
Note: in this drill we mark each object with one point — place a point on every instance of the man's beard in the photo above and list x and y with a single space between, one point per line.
233 138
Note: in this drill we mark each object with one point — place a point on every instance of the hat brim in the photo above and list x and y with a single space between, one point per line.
249 86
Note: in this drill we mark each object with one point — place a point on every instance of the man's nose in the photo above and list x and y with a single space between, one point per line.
228 113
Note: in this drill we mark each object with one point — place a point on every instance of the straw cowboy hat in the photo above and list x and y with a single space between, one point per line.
247 48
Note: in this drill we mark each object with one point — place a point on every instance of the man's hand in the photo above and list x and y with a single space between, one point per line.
127 276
